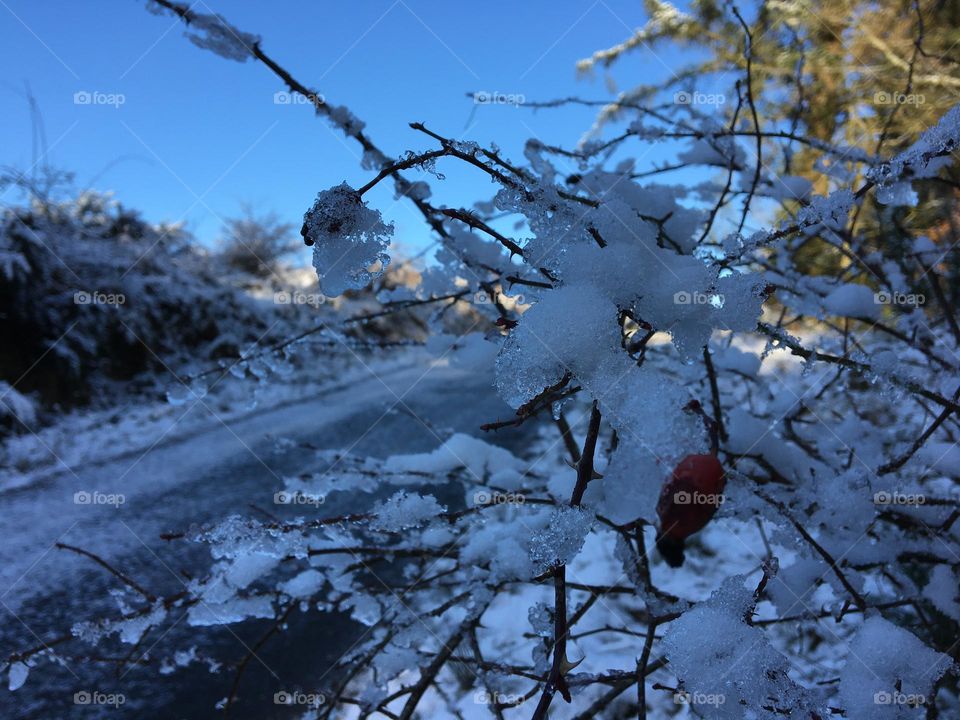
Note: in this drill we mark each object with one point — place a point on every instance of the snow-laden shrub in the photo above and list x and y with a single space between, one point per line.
255 244
101 296
650 336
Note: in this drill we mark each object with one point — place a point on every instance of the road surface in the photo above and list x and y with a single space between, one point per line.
197 479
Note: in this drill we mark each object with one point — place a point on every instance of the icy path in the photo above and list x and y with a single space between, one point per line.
209 474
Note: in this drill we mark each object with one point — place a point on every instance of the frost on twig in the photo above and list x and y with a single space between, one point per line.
349 240
212 32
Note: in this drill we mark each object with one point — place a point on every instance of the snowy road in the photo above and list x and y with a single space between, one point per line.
205 476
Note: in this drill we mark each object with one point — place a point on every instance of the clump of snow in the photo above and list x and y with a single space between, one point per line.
479 458
562 537
552 340
889 672
897 194
234 611
943 457
304 585
180 659
737 360
831 210
502 551
341 116
129 629
943 590
631 483
793 588
213 33
364 609
17 675
349 240
721 151
403 510
852 300
926 155
730 668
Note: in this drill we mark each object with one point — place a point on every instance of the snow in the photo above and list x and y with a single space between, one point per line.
17 675
131 631
851 300
504 553
943 590
831 210
246 568
215 34
548 342
631 484
737 360
349 240
792 590
80 438
234 611
897 194
479 458
180 659
942 457
789 187
888 672
924 156
730 668
562 537
403 510
17 406
212 32
128 629
722 151
304 585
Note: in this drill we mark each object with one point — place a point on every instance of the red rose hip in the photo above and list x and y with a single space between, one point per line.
687 503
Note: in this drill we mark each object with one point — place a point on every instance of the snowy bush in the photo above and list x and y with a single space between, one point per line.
255 244
654 328
103 298
112 305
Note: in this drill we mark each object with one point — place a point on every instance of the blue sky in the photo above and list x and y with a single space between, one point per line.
198 135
